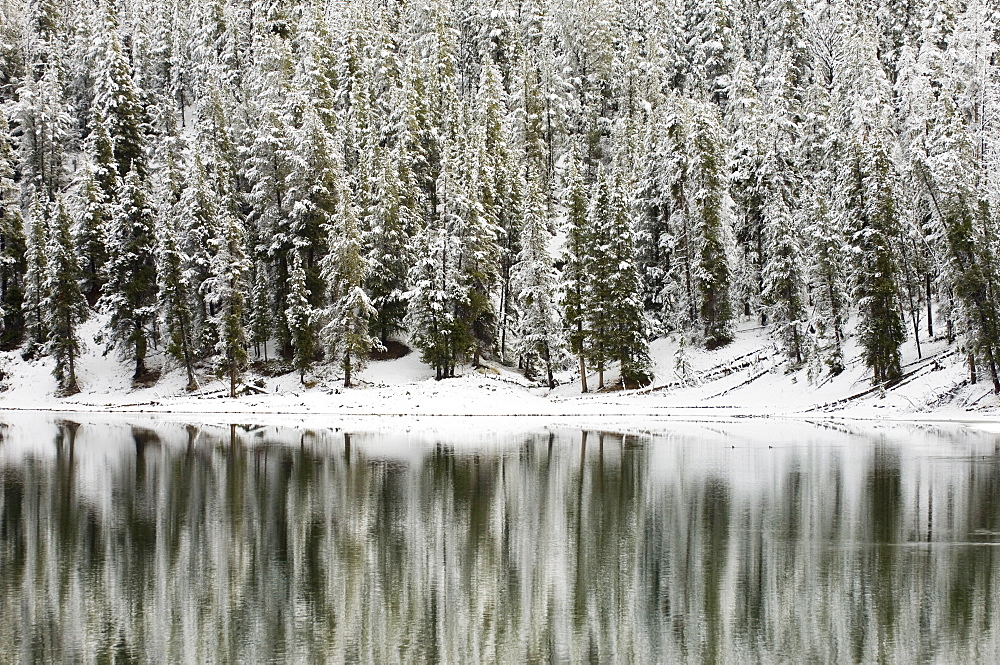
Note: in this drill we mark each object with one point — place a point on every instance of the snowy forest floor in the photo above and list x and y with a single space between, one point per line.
748 378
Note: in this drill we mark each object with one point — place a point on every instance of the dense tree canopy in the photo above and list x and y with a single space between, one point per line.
503 181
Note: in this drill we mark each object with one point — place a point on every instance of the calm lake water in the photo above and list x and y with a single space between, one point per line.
463 542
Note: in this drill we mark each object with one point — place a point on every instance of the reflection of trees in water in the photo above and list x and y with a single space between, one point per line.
556 547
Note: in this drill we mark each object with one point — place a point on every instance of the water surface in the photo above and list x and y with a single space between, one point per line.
707 542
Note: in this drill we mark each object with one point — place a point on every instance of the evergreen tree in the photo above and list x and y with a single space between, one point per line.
131 290
575 276
261 306
500 185
871 201
346 334
196 218
35 292
117 100
227 287
65 306
300 315
44 125
534 280
430 314
392 221
175 295
311 197
828 241
600 304
710 203
13 247
784 279
628 333
91 232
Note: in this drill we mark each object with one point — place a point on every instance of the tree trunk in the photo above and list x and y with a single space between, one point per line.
347 370
548 367
930 318
583 373
140 352
992 362
232 379
71 387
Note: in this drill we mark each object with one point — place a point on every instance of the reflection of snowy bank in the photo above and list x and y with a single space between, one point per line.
733 540
746 378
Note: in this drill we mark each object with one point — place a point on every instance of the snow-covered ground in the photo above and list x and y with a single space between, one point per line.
748 378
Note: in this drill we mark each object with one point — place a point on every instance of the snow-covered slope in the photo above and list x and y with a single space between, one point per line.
747 378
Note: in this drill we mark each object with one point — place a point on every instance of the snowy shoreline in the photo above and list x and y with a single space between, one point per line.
746 379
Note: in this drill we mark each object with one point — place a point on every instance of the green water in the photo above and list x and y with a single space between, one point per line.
712 542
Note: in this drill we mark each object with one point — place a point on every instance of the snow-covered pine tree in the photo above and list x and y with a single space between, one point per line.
868 196
91 232
117 99
827 244
227 288
65 305
260 305
311 200
600 305
393 220
627 327
268 145
784 294
500 184
44 125
476 234
300 315
346 336
130 292
451 311
870 200
13 246
533 278
711 47
575 276
709 203
196 218
175 294
430 314
36 271
748 155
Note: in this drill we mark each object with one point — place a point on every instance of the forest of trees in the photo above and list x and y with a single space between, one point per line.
545 183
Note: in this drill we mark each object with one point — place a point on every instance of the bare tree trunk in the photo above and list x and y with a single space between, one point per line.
548 367
992 362
347 370
583 373
930 317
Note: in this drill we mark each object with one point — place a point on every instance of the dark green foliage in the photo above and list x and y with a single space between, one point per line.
712 275
13 247
175 298
92 232
615 322
131 289
65 305
973 267
871 202
228 296
118 103
574 276
300 316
